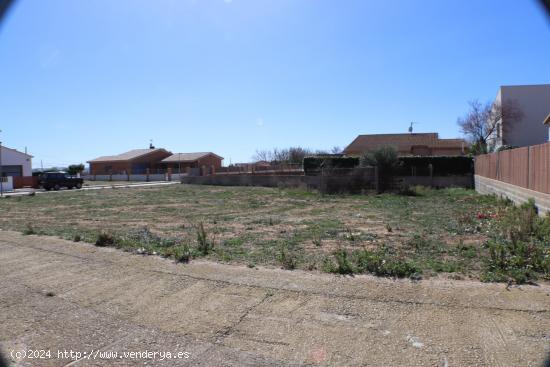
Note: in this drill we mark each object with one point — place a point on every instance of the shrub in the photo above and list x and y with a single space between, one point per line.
385 158
317 237
204 244
182 254
29 229
287 258
104 239
77 238
343 264
379 263
519 250
414 190
144 236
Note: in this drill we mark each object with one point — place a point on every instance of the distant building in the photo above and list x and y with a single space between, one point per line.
15 163
191 160
136 161
261 164
407 144
533 103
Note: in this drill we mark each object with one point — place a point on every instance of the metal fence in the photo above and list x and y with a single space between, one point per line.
527 167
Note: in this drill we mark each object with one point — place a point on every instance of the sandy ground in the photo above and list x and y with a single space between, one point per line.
57 295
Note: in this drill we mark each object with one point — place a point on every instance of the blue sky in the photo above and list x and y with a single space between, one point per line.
80 79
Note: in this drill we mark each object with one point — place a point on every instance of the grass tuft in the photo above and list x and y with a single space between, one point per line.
104 239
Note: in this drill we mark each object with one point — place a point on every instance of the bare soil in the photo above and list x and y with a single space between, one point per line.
58 295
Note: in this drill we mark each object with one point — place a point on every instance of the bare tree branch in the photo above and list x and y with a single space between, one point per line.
482 121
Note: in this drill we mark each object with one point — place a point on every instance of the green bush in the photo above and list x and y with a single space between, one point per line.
204 245
104 239
520 248
287 258
182 254
377 262
385 158
29 229
381 264
344 266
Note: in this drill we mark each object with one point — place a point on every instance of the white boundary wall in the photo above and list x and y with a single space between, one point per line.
7 184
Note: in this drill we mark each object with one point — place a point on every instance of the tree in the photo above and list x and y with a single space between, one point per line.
336 150
262 155
483 123
74 169
282 156
386 159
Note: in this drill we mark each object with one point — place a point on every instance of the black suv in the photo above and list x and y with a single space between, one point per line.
57 180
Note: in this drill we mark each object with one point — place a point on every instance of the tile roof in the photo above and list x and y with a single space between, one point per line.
126 156
402 142
187 157
449 143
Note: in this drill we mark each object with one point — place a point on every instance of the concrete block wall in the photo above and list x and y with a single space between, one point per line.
138 177
120 177
157 177
517 194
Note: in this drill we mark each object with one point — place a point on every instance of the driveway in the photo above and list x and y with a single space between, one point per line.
57 295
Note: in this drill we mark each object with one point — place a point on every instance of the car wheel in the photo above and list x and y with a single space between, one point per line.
56 187
79 185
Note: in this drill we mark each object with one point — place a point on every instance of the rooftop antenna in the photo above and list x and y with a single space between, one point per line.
411 127
151 146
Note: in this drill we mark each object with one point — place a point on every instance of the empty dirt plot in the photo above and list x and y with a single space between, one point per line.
56 295
435 231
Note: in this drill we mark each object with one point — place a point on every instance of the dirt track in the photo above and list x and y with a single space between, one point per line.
59 295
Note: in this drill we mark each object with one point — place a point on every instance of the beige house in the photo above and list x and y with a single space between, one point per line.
407 144
533 103
181 161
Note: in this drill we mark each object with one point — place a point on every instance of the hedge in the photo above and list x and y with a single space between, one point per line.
442 165
313 165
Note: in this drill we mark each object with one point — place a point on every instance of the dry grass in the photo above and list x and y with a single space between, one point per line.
437 230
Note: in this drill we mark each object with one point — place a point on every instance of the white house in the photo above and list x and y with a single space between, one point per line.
15 163
533 104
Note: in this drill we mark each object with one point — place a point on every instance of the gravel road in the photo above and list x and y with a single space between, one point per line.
57 295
